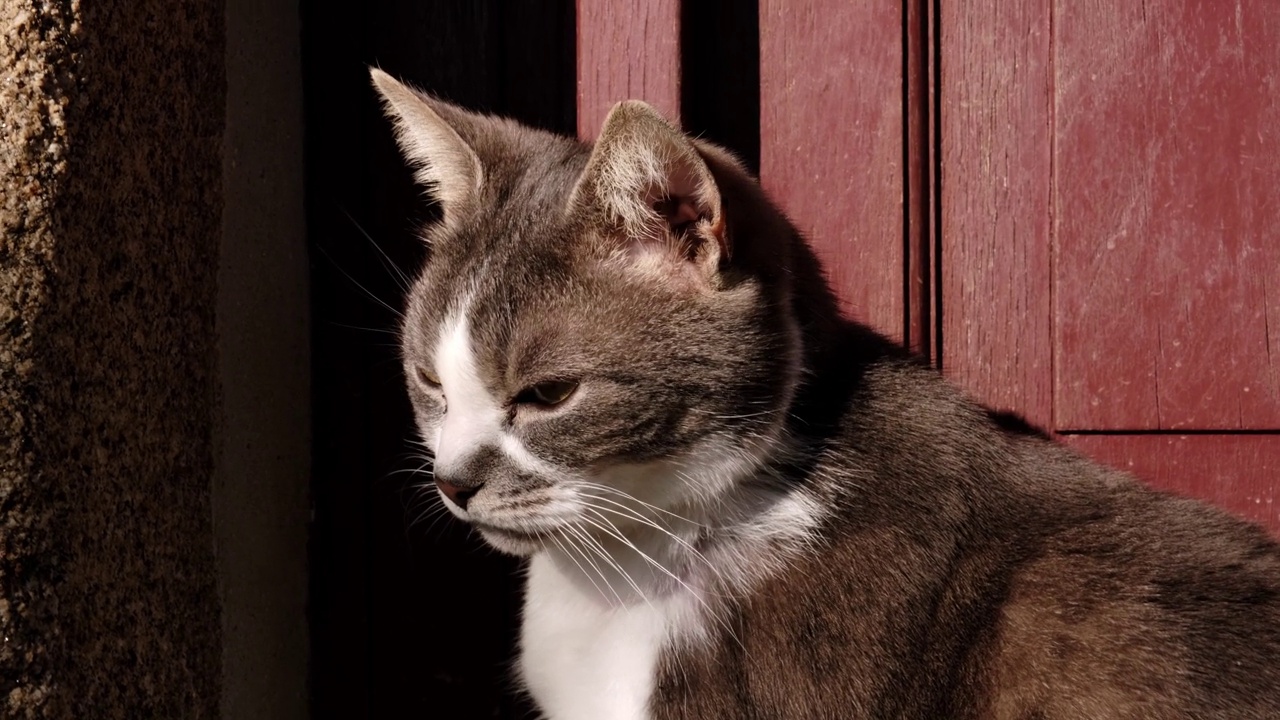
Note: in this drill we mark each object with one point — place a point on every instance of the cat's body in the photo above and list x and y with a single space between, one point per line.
738 505
969 572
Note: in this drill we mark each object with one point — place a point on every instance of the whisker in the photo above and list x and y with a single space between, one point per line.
384 331
355 282
435 513
569 553
617 534
589 543
745 416
421 469
630 514
633 498
402 279
613 531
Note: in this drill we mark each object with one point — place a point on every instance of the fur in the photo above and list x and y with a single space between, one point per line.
751 507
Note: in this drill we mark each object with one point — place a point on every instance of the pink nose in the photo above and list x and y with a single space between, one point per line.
457 494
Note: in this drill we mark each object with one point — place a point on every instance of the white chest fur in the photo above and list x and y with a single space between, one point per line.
584 659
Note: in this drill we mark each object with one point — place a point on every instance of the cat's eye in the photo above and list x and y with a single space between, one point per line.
429 377
548 393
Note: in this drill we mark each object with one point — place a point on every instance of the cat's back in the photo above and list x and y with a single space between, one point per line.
1137 604
1050 586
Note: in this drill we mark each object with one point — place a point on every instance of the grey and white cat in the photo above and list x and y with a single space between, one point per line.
736 504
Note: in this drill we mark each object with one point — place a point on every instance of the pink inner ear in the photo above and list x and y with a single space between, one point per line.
676 211
674 200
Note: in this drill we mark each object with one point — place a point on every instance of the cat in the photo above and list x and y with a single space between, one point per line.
735 503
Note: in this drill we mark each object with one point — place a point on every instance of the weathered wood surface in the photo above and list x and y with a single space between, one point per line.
995 100
831 142
1111 240
628 49
1167 215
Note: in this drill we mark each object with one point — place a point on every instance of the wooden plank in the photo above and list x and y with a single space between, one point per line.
1240 473
627 49
831 146
995 101
1167 274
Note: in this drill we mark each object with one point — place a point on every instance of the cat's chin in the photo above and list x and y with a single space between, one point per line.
510 542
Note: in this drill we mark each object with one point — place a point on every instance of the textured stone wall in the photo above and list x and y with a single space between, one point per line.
111 122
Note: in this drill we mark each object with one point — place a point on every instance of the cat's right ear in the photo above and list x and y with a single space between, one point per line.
648 178
443 161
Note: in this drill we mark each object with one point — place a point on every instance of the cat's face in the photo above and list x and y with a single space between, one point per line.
581 349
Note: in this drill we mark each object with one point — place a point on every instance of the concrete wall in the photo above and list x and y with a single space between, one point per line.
152 477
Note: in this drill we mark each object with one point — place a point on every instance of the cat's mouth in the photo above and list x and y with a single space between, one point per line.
516 542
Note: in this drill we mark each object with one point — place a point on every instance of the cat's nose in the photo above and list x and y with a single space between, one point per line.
459 494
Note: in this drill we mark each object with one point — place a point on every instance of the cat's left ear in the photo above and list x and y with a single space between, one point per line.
425 128
649 181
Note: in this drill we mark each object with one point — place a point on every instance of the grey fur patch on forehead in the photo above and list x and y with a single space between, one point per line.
534 172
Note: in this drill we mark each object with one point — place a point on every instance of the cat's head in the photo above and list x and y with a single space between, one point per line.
599 331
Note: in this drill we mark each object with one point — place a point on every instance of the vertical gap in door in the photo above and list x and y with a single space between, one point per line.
720 75
918 288
933 45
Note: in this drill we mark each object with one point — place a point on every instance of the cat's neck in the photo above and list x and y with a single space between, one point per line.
629 554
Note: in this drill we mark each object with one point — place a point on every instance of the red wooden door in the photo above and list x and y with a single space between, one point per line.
1111 235
832 144
1071 208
